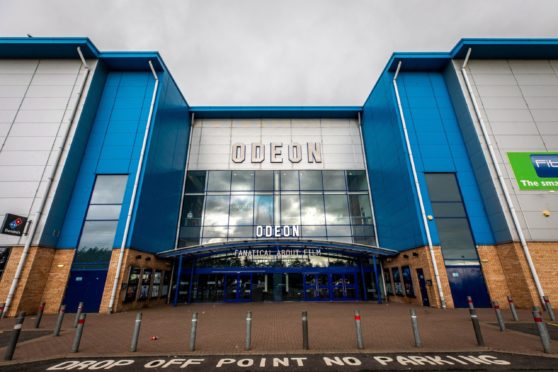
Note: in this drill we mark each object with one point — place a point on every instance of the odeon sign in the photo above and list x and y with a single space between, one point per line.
276 154
277 231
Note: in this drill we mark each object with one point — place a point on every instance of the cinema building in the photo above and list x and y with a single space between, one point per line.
115 192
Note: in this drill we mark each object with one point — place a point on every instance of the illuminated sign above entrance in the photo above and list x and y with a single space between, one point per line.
276 231
276 151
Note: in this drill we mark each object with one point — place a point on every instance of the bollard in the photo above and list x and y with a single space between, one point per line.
40 315
512 309
305 344
78 313
193 331
9 354
414 324
79 333
2 306
548 307
499 317
59 320
248 330
470 303
541 327
360 343
476 327
136 333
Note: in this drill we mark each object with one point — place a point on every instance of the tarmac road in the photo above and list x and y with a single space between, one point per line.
300 362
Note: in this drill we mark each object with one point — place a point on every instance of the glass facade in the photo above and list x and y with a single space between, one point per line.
221 206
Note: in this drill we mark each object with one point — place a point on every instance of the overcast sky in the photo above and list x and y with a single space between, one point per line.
279 52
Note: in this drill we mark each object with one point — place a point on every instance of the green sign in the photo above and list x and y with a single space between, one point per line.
535 170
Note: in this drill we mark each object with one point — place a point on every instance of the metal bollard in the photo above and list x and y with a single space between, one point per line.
193 331
414 324
78 313
79 333
9 354
541 327
305 344
476 327
248 330
40 315
512 309
360 343
136 333
2 306
548 307
59 320
499 317
470 303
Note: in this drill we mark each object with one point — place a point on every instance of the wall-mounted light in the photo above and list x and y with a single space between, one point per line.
148 258
138 257
60 265
546 213
415 254
430 217
406 256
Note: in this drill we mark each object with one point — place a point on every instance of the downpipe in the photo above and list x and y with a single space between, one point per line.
134 192
419 193
501 180
34 221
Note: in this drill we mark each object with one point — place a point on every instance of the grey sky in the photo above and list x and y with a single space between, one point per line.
278 52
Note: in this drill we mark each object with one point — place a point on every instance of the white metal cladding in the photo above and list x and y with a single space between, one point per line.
212 142
37 98
519 103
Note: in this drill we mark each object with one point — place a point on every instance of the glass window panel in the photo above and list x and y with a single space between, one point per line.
109 189
263 210
242 181
219 181
313 231
264 180
368 240
190 233
215 232
312 209
103 212
448 210
289 180
290 210
343 239
363 230
97 241
361 213
337 209
242 210
216 210
397 281
195 182
241 231
442 187
192 210
455 238
407 281
334 180
339 230
356 180
311 180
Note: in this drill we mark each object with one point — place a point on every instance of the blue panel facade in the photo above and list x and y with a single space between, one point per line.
395 203
113 146
438 145
155 219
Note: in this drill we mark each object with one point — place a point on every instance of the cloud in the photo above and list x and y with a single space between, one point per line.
313 52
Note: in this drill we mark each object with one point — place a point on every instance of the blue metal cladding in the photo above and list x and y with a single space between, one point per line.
55 219
157 207
395 202
112 148
438 145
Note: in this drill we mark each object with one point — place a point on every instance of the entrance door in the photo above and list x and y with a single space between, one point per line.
422 285
86 286
238 287
316 287
344 286
467 281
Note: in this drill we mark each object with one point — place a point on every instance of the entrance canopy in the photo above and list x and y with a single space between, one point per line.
289 244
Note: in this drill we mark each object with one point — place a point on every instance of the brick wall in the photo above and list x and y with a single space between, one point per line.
419 258
131 258
57 279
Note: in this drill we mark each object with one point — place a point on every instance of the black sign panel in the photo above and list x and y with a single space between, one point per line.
13 225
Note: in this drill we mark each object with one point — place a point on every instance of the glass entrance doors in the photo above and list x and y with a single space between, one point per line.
238 287
344 286
330 286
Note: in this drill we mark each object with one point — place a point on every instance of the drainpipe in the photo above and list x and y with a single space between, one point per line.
34 221
419 193
134 192
501 180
